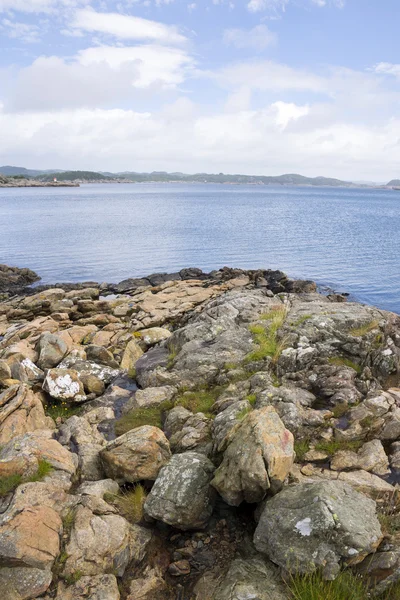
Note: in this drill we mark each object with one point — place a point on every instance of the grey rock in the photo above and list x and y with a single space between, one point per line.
97 587
249 579
182 495
52 350
308 526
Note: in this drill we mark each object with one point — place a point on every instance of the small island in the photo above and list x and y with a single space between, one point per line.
13 182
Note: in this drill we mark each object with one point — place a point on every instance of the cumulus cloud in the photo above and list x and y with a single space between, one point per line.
28 33
38 6
98 77
259 5
126 27
258 38
385 68
182 138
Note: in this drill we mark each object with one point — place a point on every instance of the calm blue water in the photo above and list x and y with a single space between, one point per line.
349 239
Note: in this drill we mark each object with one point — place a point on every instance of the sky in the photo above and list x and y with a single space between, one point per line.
259 87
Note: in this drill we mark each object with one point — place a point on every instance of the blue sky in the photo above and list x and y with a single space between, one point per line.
249 86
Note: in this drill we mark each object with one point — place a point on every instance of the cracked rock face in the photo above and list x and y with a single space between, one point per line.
258 458
308 526
181 495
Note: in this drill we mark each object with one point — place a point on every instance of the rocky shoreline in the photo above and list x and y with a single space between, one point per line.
10 182
195 436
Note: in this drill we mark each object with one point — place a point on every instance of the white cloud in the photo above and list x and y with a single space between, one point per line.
98 77
288 111
38 6
258 38
24 31
385 68
259 5
126 27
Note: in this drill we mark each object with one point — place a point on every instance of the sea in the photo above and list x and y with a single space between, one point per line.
345 239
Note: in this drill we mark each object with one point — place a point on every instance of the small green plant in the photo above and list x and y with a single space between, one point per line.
251 399
340 361
364 329
332 446
301 320
340 409
151 415
313 587
231 366
243 413
173 353
389 514
61 410
265 337
129 503
9 483
200 401
301 447
73 577
68 522
367 421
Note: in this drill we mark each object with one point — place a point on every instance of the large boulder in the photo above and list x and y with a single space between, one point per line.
251 578
258 458
104 543
52 350
318 525
181 495
64 384
136 455
31 448
21 411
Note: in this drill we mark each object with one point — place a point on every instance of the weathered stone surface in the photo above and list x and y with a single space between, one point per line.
153 396
98 488
104 543
36 446
308 526
5 371
96 587
181 495
92 384
259 457
85 440
364 482
87 367
149 587
101 355
137 455
52 350
23 583
154 335
25 370
64 384
250 578
21 411
195 435
371 457
131 355
30 537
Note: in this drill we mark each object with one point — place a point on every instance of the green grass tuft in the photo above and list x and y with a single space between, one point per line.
200 401
173 353
340 409
129 503
251 399
301 447
10 483
151 415
340 361
301 320
312 587
364 329
333 446
62 409
265 337
73 577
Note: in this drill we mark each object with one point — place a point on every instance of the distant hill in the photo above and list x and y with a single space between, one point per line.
164 177
9 171
394 183
290 179
73 176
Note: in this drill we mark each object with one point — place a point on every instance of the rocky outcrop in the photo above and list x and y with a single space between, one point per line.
229 388
13 278
309 526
